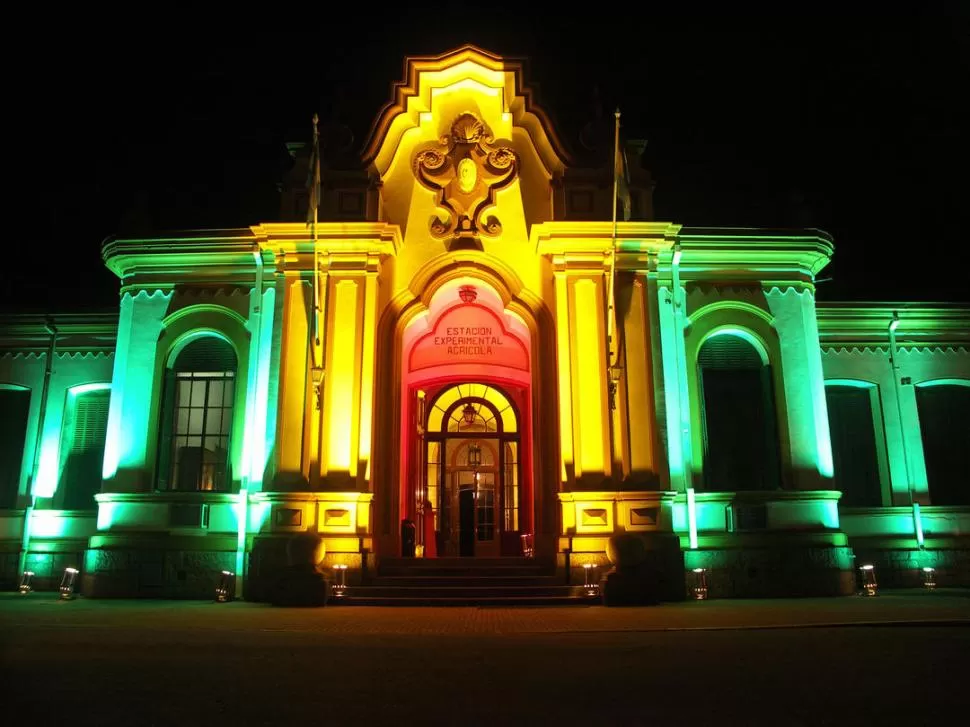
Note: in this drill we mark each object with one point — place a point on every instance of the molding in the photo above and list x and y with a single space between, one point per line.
280 497
762 496
167 496
293 243
921 325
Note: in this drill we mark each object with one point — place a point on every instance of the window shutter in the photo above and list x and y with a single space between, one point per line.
728 352
206 354
85 456
738 413
14 410
944 422
853 445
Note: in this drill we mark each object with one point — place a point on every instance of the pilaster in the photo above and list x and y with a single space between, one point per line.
807 415
134 392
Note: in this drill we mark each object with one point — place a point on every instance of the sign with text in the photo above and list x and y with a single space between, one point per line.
469 334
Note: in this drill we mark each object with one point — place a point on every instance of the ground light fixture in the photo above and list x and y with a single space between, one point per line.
226 590
26 582
929 578
590 585
869 585
68 581
340 587
700 584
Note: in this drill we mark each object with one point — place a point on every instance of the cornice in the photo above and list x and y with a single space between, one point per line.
225 257
633 239
216 255
332 238
739 257
751 253
921 326
67 324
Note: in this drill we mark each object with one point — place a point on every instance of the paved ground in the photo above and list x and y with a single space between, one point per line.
899 658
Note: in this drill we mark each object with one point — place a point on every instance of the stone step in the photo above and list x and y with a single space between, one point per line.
451 562
473 593
457 571
428 579
464 600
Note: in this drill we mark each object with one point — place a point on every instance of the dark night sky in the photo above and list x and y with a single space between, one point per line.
851 122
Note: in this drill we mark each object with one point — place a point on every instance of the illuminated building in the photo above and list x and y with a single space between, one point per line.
441 336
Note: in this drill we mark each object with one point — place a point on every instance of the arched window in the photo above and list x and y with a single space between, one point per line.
738 415
199 389
15 408
944 422
854 453
82 445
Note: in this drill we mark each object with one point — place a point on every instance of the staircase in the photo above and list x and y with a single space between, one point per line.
463 582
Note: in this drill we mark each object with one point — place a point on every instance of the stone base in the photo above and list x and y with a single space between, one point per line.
632 587
154 573
903 567
9 577
48 565
269 562
657 575
777 572
49 568
300 587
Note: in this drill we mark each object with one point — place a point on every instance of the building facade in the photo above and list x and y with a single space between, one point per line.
467 343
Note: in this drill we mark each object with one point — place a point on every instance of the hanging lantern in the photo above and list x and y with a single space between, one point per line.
469 414
474 455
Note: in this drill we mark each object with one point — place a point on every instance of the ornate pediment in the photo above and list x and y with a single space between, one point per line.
465 169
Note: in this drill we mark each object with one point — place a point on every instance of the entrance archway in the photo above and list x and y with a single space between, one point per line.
470 497
466 419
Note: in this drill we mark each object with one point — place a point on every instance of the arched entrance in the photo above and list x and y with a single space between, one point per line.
466 475
471 495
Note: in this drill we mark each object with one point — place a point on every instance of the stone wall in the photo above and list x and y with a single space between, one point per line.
902 567
775 572
154 573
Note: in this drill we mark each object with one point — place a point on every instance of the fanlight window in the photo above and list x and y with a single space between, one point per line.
492 413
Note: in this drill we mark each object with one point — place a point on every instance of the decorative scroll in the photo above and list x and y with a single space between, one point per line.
466 168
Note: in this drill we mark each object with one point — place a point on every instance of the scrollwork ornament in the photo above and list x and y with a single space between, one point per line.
465 168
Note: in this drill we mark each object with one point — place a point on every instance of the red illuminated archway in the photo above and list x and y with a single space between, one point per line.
466 336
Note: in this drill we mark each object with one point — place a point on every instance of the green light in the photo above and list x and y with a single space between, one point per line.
692 518
49 524
133 381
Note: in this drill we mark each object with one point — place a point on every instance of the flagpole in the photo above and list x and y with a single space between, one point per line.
314 202
610 291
